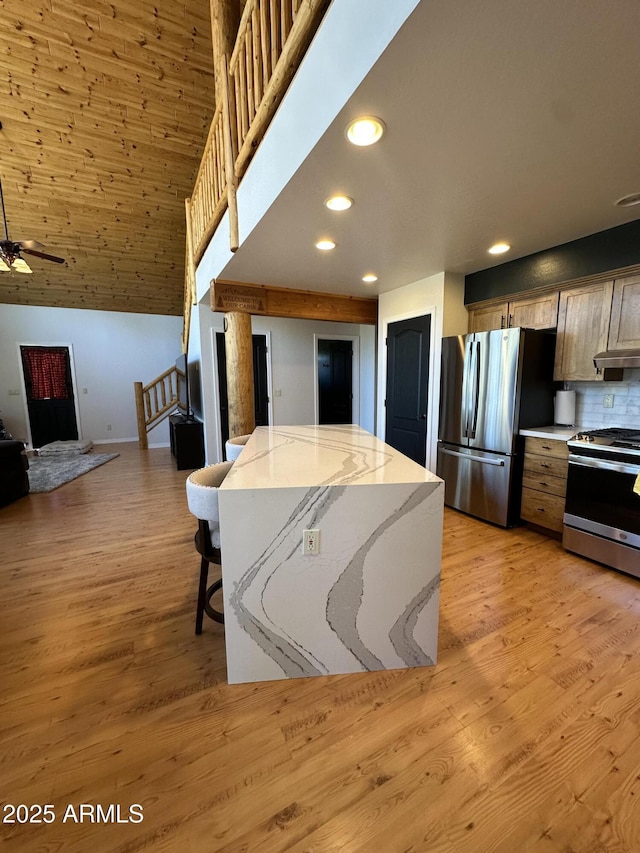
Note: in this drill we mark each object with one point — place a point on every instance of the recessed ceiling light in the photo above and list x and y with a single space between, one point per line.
365 130
369 277
325 245
339 202
628 200
499 248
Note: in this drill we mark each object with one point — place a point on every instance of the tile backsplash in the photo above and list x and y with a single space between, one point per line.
591 414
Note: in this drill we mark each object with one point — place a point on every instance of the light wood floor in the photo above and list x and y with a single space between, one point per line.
523 737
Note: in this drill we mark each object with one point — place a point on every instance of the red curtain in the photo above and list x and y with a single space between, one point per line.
47 370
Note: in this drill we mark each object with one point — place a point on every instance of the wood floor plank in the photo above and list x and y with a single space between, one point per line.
524 736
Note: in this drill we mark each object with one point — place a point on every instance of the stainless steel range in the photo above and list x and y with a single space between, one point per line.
602 511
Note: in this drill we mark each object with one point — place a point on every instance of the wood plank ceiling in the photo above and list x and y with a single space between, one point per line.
105 111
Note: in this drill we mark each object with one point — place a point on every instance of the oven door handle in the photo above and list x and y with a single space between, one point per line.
603 464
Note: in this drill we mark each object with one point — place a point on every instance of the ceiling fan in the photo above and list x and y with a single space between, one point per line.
10 250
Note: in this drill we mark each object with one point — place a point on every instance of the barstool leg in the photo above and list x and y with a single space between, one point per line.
202 594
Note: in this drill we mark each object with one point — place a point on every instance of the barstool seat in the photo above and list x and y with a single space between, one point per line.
233 446
202 499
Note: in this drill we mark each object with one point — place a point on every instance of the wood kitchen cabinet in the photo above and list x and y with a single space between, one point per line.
583 330
544 482
624 329
532 312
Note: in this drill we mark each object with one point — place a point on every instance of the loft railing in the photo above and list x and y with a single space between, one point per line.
154 402
272 38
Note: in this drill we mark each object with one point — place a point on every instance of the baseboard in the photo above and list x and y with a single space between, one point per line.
113 440
124 440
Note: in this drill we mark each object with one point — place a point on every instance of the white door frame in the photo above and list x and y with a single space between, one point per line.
355 374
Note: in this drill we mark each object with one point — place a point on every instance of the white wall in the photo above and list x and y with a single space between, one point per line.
111 351
292 360
442 296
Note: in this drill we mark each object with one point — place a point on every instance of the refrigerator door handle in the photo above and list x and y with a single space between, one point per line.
475 367
485 460
468 369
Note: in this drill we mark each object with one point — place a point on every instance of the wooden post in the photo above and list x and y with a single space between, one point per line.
229 162
142 426
239 350
225 20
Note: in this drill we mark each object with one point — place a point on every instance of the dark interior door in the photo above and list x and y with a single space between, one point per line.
408 343
261 398
335 382
49 392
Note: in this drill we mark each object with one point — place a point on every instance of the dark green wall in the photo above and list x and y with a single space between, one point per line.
608 250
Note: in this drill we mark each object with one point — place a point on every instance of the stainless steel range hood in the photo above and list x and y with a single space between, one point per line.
617 358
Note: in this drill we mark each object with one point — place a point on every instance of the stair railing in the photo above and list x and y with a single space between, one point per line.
154 402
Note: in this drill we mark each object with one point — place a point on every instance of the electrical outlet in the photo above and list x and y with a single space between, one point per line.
311 542
108 427
607 401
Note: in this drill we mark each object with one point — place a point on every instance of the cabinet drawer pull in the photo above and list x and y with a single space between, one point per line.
545 447
545 465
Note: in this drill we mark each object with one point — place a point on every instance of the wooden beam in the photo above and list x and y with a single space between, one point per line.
298 304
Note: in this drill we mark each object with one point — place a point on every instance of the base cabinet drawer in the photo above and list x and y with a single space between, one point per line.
545 483
542 508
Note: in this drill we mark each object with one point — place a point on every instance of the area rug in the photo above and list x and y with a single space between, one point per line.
47 473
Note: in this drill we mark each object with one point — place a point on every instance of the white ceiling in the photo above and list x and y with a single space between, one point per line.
506 120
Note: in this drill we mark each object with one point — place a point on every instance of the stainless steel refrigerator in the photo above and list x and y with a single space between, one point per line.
492 384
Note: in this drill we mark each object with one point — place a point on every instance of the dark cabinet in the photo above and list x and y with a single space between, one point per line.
187 442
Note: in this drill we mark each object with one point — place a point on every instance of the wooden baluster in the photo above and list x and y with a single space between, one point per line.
256 54
265 43
274 7
248 64
286 20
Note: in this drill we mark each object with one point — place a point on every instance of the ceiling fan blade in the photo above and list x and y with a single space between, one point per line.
43 255
31 244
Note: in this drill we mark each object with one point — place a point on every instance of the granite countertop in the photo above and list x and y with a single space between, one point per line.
558 433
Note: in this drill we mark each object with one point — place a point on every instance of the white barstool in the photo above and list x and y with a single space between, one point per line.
233 447
202 499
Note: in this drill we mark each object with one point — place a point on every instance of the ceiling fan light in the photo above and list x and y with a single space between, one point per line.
4 267
20 265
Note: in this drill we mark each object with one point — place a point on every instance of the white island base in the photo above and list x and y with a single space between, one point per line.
369 599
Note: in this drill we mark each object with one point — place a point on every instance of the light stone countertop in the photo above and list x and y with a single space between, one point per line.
279 457
558 433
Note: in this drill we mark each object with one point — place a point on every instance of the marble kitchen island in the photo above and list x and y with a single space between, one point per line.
369 599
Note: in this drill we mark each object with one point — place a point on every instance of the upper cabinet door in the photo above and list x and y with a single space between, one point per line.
489 318
536 312
583 330
624 332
